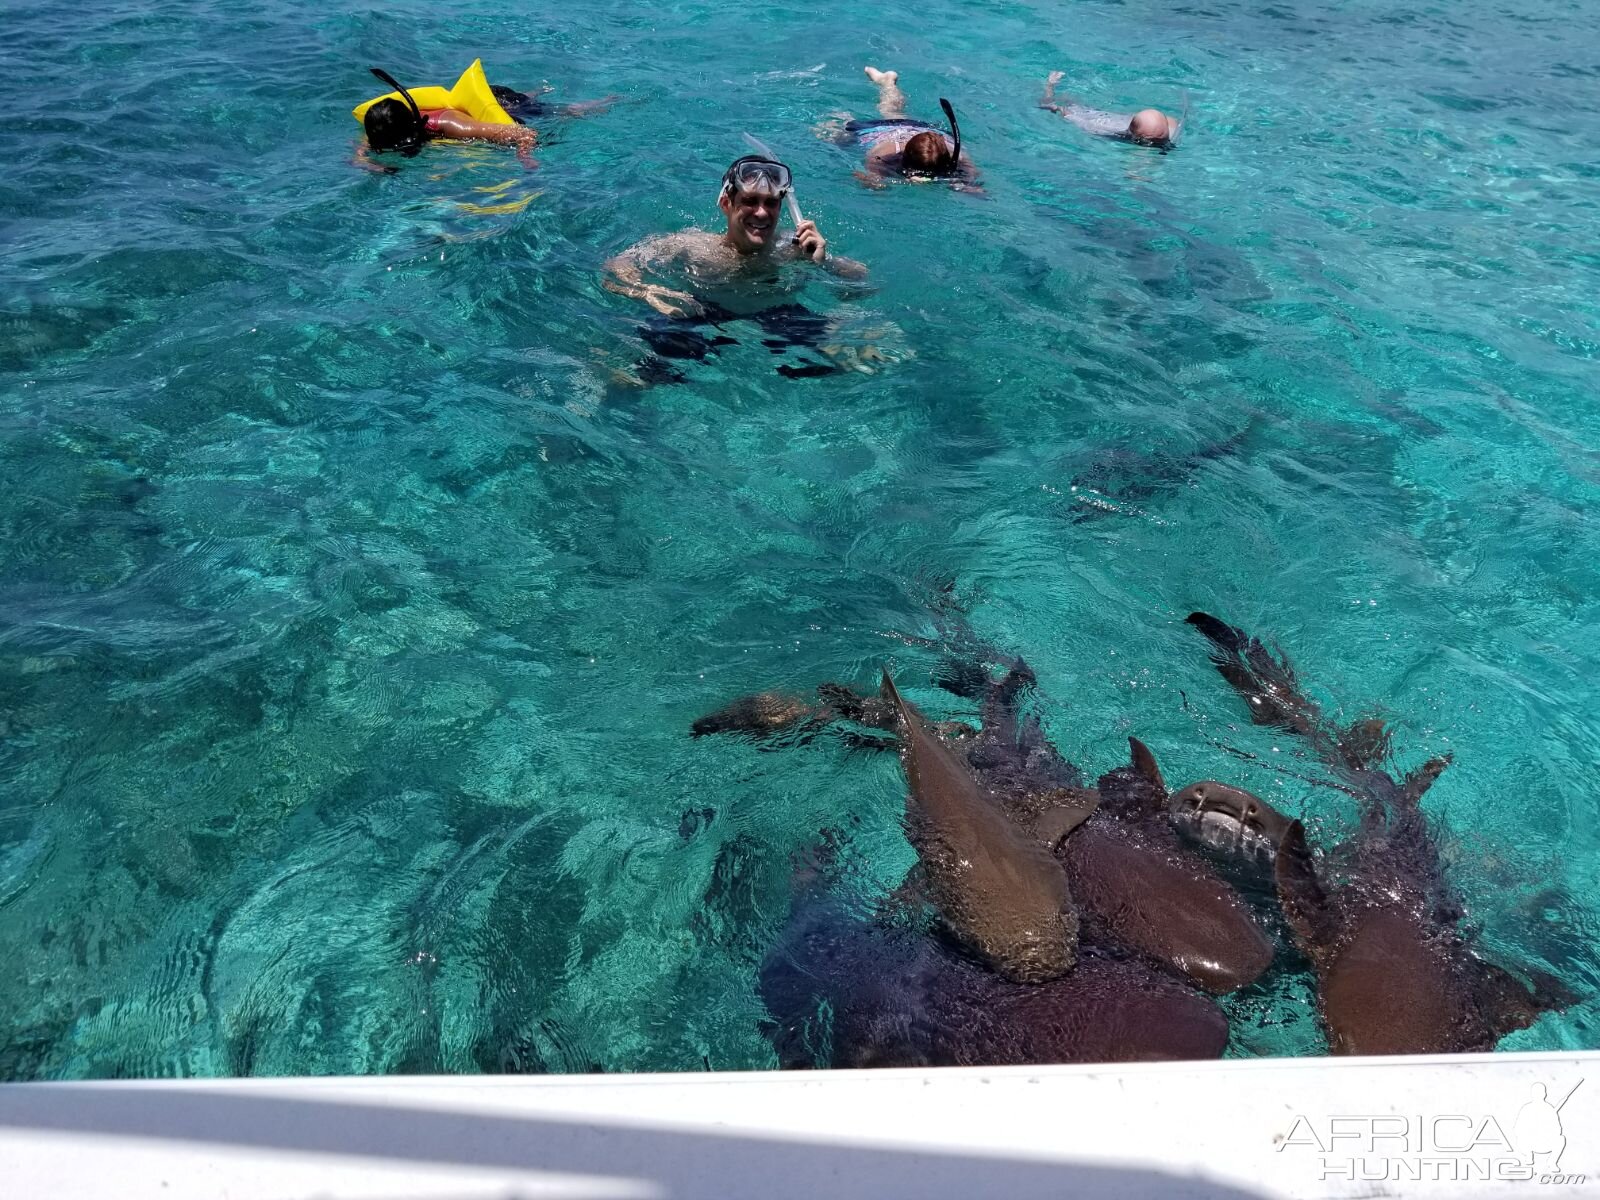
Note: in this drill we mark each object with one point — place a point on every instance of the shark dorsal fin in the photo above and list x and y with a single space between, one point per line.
1071 808
889 692
1144 764
1300 894
1419 781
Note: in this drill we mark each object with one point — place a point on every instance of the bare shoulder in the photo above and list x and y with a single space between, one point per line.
694 247
698 246
663 248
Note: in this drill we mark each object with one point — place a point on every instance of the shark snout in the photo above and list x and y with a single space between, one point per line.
1220 813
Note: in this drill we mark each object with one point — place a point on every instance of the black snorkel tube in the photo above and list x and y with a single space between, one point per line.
955 133
414 143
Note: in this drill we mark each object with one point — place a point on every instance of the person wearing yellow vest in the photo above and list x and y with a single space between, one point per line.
403 120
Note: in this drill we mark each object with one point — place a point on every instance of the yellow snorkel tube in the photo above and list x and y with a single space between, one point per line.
470 95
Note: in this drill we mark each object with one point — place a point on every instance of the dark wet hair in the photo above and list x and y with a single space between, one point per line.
393 125
390 125
927 153
517 104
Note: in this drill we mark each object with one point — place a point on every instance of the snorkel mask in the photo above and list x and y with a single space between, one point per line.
1162 144
408 139
753 173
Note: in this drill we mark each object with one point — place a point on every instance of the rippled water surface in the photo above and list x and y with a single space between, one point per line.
354 607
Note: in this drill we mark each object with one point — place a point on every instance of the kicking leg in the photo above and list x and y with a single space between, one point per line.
589 108
891 100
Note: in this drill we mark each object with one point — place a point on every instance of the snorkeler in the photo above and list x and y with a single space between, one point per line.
1147 127
403 127
747 251
897 145
736 275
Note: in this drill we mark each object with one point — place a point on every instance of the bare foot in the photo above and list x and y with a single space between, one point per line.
1055 78
883 78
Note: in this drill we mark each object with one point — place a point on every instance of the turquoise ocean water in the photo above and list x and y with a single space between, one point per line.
353 613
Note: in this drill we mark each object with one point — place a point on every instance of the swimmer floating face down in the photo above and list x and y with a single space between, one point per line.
401 124
1151 127
392 125
929 153
907 149
1147 127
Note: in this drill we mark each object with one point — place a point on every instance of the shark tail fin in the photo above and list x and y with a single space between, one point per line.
1266 682
1510 1005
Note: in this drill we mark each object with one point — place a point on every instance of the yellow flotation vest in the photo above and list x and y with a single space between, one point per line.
470 95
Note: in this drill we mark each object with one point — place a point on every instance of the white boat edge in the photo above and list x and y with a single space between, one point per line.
1464 1125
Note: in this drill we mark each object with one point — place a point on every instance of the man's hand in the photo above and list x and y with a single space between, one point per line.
1048 100
670 303
812 244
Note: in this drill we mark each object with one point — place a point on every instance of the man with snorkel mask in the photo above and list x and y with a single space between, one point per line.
898 145
748 251
739 275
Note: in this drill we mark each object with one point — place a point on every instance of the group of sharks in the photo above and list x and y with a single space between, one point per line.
1069 923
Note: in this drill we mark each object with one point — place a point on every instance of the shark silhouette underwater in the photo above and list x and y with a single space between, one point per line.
1376 918
1095 954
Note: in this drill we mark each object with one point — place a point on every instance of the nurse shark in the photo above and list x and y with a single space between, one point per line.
844 991
1136 886
1377 920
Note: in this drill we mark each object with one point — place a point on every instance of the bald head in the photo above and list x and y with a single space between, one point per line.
1150 125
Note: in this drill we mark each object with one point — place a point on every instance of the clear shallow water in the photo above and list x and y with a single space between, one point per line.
352 616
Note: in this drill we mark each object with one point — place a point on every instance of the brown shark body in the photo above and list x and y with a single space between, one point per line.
1395 973
997 887
1136 885
1134 879
843 992
1393 978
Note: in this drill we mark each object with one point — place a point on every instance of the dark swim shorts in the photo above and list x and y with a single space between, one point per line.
786 326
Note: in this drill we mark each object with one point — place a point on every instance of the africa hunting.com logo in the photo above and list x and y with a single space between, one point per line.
1451 1147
